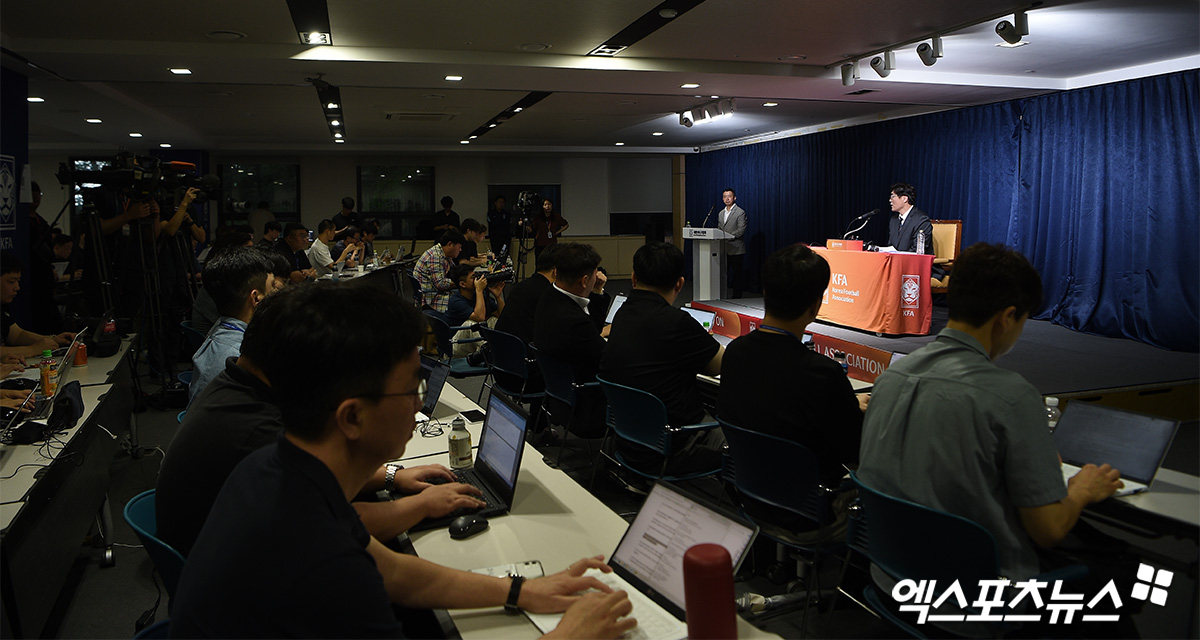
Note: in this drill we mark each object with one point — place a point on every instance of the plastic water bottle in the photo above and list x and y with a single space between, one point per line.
920 241
46 367
1052 413
460 445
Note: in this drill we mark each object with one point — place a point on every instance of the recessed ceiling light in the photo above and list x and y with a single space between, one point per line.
792 58
518 109
468 138
339 141
34 99
667 14
315 37
689 85
335 123
94 121
1013 45
331 105
533 46
337 135
225 35
620 144
453 78
657 133
464 142
181 71
419 171
249 173
382 175
492 125
167 145
135 135
770 104
714 97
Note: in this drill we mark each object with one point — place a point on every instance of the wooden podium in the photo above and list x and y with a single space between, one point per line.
708 262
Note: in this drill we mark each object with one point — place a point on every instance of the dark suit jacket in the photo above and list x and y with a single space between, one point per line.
904 238
563 330
520 305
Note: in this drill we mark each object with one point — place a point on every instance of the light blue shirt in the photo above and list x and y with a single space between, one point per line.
224 341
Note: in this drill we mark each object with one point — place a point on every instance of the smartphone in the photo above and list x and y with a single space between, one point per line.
474 415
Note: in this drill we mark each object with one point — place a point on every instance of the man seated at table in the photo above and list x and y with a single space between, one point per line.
522 299
237 280
474 232
283 553
293 245
350 237
432 271
271 232
320 253
564 330
19 343
772 383
237 414
658 348
949 429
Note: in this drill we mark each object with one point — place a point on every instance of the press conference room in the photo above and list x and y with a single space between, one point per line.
819 213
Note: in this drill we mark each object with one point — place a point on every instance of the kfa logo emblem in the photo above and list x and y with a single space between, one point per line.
910 292
8 193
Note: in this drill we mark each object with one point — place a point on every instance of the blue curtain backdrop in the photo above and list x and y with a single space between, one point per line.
1096 186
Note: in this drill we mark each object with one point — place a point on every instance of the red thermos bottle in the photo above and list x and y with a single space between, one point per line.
708 592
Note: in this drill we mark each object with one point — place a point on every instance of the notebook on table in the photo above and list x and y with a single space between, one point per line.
648 562
1134 444
496 463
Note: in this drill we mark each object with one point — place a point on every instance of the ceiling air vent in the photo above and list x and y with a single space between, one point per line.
417 116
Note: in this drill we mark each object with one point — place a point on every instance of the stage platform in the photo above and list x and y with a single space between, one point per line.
1056 360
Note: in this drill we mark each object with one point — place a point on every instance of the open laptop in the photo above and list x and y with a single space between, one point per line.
434 372
705 318
648 562
1133 443
62 366
497 462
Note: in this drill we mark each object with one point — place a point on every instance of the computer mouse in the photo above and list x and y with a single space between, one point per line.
467 526
23 384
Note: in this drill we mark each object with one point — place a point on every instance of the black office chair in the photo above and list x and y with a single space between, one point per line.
640 418
911 541
192 335
142 518
443 333
507 355
562 400
418 298
793 488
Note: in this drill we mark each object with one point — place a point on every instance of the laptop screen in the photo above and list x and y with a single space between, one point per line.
705 318
435 373
1132 443
650 555
617 301
503 438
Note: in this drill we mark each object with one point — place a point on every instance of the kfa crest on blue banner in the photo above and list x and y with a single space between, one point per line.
8 193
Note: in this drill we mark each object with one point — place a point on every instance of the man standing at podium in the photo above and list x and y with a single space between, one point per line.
733 221
909 221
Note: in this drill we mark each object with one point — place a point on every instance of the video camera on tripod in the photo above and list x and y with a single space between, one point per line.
142 178
528 204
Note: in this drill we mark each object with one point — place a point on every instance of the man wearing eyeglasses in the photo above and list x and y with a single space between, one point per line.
283 554
908 221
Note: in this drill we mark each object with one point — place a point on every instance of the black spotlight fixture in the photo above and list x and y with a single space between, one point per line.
1011 32
331 105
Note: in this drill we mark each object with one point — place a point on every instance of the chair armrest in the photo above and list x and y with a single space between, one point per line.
698 426
943 260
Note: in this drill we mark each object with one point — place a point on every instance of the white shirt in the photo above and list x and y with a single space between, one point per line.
318 255
582 302
904 214
725 214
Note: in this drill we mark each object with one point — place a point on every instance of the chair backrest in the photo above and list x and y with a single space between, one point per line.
794 486
908 540
559 377
142 518
418 299
947 238
441 331
637 416
195 339
507 352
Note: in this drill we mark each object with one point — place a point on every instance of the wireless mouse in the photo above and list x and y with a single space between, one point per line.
467 526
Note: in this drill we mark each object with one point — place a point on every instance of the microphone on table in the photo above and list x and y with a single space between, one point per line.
868 214
864 217
706 216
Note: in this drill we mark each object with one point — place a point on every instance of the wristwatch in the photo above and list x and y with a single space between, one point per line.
514 593
389 477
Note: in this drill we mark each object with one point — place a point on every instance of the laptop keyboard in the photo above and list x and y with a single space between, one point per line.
462 511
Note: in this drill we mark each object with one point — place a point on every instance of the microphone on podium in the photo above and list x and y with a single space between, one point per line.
706 216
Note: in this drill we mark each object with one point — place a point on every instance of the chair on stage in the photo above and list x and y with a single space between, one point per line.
638 417
793 490
562 400
911 541
141 516
947 241
443 333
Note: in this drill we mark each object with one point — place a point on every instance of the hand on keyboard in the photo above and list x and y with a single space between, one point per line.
449 498
597 615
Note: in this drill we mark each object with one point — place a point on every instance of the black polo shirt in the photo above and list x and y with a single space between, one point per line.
773 384
655 347
469 250
232 417
282 555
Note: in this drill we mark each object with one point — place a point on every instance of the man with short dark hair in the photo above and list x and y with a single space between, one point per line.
19 343
908 221
950 430
237 279
474 301
821 411
320 254
283 554
432 271
499 223
271 232
347 217
732 220
474 232
658 348
370 229
522 299
446 219
293 244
